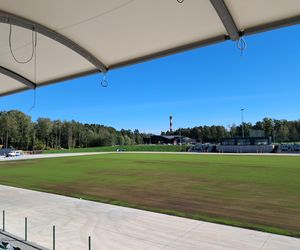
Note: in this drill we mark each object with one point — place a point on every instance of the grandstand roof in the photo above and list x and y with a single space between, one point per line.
76 38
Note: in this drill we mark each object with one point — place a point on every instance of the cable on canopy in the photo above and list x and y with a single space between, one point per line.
34 101
35 73
242 45
33 42
104 82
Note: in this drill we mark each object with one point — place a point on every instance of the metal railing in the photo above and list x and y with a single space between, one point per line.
26 234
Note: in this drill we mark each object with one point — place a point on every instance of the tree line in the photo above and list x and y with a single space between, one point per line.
279 130
17 130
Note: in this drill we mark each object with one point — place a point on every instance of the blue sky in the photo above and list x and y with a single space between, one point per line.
200 87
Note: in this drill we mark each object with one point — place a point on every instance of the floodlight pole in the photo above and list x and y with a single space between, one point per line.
180 139
243 132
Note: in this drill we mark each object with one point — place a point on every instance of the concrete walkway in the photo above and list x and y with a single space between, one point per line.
43 156
113 227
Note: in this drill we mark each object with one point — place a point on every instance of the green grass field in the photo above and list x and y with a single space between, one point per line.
148 148
260 192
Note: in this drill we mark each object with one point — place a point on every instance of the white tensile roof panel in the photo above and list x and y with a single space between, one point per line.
248 14
128 33
116 33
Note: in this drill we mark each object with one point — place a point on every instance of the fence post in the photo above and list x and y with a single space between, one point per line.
53 246
3 221
25 228
90 245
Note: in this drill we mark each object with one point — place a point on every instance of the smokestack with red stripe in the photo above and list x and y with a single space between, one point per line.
171 124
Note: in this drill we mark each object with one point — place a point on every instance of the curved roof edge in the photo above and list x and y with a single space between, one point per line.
12 19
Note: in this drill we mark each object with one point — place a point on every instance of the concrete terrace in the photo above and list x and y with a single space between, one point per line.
114 227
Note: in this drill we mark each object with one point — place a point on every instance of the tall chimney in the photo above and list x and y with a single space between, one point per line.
171 124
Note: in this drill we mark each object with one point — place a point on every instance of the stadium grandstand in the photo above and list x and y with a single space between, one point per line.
246 145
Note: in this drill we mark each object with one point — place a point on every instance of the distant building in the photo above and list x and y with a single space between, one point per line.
168 139
246 141
246 145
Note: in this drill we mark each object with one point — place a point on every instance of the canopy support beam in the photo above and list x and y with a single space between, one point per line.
17 77
226 19
273 25
9 18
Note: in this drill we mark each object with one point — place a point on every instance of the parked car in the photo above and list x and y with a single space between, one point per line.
121 150
14 153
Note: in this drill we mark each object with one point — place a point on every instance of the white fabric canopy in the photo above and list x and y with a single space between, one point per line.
81 37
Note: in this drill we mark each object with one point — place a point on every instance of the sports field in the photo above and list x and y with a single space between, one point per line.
261 192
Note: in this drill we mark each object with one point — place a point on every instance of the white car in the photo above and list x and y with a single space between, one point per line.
14 154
